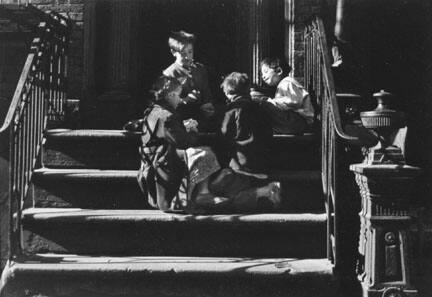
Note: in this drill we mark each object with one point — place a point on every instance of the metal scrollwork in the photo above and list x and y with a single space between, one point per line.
393 292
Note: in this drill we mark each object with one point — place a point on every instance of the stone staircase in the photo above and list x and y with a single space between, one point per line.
87 230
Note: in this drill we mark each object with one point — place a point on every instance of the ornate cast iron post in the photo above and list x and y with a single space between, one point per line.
385 183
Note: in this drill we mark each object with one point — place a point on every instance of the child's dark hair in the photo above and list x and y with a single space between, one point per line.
177 40
274 63
163 86
236 83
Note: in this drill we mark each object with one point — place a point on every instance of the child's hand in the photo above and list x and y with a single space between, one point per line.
258 95
192 97
191 125
184 72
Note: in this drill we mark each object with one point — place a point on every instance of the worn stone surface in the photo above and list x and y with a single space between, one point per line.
118 149
118 189
103 149
56 275
152 232
87 189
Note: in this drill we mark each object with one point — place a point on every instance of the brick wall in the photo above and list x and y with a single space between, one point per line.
303 11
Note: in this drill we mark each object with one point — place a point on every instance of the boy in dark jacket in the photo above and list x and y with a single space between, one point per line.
245 136
245 128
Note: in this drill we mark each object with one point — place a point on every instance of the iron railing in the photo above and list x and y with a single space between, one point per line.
319 82
40 96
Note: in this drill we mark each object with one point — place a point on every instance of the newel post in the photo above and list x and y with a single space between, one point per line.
385 183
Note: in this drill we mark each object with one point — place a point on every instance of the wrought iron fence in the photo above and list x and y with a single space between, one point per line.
39 97
319 82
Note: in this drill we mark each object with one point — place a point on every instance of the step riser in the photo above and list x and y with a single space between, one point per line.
124 193
138 287
93 156
119 150
129 159
179 239
161 287
117 194
85 153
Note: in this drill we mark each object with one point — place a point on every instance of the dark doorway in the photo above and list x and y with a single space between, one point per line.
127 43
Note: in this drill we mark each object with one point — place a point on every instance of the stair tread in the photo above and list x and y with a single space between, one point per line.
74 264
111 133
150 215
91 133
123 173
111 149
85 173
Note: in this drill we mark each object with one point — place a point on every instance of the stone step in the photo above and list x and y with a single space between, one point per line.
118 189
155 233
118 149
54 275
86 188
103 149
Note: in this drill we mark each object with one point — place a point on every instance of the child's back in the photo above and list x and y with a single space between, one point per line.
245 127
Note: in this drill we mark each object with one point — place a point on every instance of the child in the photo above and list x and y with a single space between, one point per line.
246 129
245 135
196 95
291 110
162 169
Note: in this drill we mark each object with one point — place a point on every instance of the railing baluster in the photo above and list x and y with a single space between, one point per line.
319 82
39 96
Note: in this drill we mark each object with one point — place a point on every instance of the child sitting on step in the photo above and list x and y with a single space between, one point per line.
243 151
291 110
167 144
163 133
197 101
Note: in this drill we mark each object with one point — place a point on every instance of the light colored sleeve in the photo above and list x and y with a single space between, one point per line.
289 95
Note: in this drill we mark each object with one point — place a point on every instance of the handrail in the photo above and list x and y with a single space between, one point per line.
57 21
16 99
40 96
335 164
317 27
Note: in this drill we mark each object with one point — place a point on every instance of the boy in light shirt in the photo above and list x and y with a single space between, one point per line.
291 110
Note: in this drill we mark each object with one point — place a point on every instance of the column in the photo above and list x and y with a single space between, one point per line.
259 42
120 42
289 17
89 45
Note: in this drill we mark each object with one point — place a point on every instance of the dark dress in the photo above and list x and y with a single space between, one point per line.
162 168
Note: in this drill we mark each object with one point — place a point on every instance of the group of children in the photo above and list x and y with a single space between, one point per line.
231 158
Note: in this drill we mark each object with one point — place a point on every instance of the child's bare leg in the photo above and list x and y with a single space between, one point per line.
247 200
